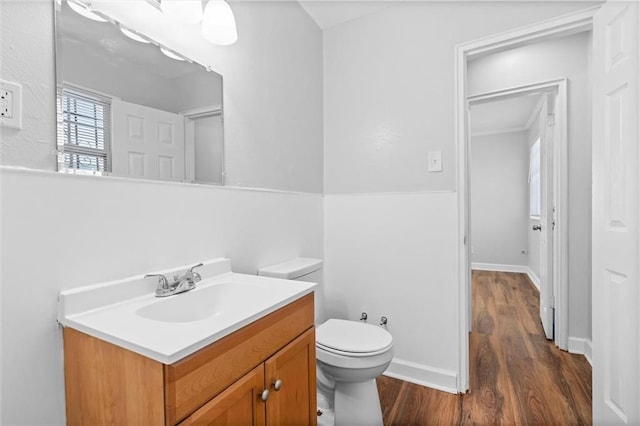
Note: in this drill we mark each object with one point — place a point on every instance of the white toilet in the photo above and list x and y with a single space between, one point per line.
350 355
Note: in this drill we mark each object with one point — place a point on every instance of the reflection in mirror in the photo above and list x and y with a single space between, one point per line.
127 109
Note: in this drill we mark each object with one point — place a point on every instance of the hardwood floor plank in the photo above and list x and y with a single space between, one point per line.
390 391
517 376
418 405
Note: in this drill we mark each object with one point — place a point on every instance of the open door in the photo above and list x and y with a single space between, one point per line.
546 218
616 297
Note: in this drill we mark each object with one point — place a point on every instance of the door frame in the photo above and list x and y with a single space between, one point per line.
189 139
559 155
560 26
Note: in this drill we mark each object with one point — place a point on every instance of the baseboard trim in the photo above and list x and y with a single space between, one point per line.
424 375
533 277
499 267
581 346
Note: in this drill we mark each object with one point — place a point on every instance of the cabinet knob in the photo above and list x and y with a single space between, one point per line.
264 395
277 385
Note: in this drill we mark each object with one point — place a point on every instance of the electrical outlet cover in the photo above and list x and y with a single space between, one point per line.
11 105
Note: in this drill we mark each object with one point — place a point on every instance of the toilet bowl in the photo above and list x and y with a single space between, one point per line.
350 355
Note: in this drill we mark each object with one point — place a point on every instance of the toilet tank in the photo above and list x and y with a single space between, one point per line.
301 269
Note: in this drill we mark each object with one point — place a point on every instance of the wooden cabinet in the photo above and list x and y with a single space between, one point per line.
280 391
220 384
293 371
239 404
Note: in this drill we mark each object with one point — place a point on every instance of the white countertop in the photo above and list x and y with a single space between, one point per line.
111 311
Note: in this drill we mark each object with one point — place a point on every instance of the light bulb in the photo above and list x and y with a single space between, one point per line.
218 23
171 54
132 35
185 11
84 10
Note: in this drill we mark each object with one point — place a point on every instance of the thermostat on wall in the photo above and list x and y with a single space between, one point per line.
10 104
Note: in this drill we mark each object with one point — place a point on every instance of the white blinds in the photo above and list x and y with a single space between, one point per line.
84 127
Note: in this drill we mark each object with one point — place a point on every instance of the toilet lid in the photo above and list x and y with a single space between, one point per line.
352 336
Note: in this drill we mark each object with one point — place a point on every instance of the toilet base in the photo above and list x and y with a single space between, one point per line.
327 418
357 404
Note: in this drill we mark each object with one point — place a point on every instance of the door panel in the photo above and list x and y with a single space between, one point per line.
295 402
546 216
147 142
616 326
239 404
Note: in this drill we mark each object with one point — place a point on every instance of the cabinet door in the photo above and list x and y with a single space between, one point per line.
239 404
294 366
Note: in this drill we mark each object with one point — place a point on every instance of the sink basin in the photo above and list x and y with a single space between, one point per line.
200 304
167 329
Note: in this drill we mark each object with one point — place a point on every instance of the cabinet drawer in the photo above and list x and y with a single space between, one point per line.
194 380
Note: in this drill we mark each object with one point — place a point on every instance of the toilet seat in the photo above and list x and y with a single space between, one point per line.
351 338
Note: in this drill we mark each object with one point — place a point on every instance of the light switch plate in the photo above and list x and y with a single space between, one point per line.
435 161
10 104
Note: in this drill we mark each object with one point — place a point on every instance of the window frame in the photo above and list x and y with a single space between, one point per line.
64 148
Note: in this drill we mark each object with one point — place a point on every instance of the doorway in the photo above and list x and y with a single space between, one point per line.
554 29
518 139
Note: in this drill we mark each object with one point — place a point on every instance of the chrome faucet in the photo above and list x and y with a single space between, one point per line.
180 284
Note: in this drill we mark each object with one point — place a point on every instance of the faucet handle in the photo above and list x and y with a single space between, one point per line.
163 283
196 276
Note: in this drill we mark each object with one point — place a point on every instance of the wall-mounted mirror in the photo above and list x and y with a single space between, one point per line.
127 109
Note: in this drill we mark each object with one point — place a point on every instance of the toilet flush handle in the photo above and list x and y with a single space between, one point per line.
277 385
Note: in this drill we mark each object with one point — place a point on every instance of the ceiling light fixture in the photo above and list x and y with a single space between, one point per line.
84 10
133 36
186 11
218 23
170 54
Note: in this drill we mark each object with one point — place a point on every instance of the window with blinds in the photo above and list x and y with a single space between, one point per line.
84 127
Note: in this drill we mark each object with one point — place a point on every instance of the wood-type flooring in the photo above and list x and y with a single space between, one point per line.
517 377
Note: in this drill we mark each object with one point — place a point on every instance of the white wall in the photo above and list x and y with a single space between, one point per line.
388 101
191 94
388 90
567 57
499 198
26 40
62 231
391 255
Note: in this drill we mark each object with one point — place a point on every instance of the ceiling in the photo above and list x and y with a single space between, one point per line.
511 114
329 13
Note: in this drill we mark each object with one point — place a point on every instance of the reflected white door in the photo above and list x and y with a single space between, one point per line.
147 142
546 217
615 275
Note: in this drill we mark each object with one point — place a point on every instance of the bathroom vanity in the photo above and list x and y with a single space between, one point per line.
257 371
